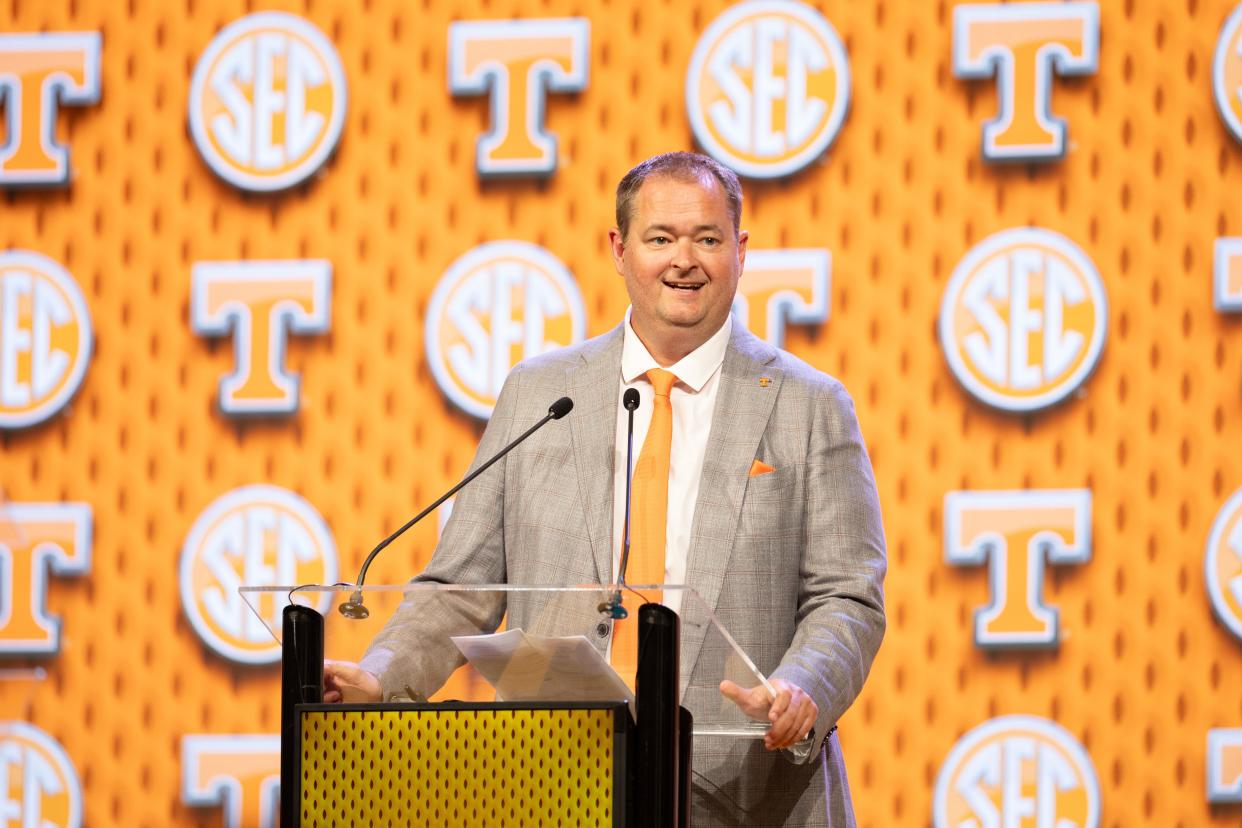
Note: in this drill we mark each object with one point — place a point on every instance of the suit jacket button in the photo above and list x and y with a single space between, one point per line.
601 629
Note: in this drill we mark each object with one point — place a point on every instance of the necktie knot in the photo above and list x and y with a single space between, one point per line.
661 381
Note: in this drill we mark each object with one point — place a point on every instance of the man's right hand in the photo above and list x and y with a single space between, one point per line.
344 681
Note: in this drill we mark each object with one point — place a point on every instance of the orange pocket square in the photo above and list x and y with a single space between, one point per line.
759 467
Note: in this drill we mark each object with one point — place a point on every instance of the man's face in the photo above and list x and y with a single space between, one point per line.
681 262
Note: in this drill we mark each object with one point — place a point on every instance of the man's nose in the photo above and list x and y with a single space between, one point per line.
683 254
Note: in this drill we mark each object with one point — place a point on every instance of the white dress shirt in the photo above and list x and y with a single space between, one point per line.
694 399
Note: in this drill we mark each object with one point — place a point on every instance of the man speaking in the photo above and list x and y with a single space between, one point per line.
752 486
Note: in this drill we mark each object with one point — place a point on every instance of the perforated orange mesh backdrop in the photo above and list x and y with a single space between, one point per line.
1150 180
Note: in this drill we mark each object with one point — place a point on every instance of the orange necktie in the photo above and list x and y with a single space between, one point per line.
648 520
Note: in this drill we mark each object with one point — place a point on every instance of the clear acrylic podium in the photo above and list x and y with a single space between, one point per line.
443 748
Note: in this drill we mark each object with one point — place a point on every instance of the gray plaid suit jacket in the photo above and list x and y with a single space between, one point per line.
793 561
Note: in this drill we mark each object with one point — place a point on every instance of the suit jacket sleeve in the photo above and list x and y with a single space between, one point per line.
413 649
840 609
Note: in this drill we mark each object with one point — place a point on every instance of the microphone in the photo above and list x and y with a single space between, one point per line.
613 607
353 608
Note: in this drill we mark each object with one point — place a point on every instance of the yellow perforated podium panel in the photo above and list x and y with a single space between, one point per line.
468 768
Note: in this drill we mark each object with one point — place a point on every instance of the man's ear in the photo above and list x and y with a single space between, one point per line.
616 244
742 238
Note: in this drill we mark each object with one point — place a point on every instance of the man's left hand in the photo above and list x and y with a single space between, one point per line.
792 713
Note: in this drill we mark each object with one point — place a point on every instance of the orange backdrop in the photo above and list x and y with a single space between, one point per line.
1150 180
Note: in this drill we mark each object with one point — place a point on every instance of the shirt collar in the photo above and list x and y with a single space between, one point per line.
693 370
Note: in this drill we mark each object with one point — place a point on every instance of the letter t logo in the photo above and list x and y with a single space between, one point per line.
1227 275
1022 44
783 286
38 540
262 303
38 71
520 61
1015 533
238 773
1224 765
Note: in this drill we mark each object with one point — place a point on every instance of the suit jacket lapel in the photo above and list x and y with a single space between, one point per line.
593 388
743 408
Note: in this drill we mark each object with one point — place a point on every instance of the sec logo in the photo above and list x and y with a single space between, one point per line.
40 786
768 87
45 338
252 536
495 306
1227 73
1223 565
267 101
1017 770
1023 320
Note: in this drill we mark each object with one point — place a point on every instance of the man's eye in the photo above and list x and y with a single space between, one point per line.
710 241
660 240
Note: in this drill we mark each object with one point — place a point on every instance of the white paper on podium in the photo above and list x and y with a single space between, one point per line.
525 667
